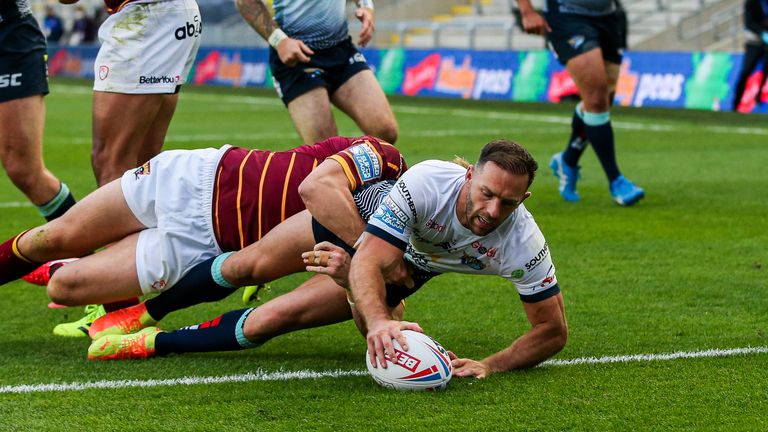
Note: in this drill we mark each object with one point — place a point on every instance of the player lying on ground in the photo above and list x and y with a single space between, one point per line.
482 228
186 206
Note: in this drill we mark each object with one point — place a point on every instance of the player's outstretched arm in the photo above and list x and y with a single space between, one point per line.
374 258
533 22
257 15
365 14
545 339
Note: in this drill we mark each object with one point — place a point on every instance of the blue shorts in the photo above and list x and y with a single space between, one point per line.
573 35
23 59
329 68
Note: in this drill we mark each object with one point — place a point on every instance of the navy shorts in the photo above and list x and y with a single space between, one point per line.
23 59
573 35
395 293
329 68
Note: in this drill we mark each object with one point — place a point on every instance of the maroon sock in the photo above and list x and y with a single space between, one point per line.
122 304
13 264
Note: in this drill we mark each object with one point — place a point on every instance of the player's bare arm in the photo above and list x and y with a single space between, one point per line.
374 258
327 194
257 15
546 338
364 13
533 22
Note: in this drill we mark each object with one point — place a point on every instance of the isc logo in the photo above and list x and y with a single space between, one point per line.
190 29
10 80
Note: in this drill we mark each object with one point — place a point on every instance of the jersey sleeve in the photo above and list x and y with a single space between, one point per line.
534 275
401 210
368 160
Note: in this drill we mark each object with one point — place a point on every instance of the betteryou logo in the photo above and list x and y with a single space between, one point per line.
158 79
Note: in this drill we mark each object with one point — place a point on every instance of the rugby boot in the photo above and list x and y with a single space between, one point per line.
139 345
122 321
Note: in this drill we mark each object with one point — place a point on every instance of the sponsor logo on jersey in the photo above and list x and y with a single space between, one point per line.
406 360
576 41
159 284
366 161
472 262
547 281
163 79
433 225
490 252
535 261
189 29
518 273
408 200
142 170
103 72
391 215
357 58
10 80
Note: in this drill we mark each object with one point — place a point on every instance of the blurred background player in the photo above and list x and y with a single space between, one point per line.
587 37
23 83
147 50
53 26
315 64
755 47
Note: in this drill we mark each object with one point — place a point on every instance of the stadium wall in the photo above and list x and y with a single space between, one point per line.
697 80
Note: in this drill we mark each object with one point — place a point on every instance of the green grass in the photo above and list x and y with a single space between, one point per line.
684 270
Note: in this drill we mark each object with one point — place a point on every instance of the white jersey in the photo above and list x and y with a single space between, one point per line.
319 24
419 217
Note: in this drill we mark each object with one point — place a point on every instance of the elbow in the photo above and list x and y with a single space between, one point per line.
307 191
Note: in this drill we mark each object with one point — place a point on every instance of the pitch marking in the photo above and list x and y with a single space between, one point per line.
260 375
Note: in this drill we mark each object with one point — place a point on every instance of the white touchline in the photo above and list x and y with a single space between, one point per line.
14 204
281 375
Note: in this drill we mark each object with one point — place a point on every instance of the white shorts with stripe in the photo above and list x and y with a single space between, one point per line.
172 196
148 47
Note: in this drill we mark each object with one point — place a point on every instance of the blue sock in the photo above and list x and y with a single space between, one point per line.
204 283
600 134
58 205
225 333
578 141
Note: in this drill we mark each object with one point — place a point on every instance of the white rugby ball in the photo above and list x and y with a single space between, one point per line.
425 366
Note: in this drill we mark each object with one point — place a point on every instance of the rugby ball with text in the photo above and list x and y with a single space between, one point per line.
425 366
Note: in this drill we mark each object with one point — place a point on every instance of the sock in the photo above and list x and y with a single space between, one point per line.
13 264
224 333
122 304
578 141
204 283
600 134
58 205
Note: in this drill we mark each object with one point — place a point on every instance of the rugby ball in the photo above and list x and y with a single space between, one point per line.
425 366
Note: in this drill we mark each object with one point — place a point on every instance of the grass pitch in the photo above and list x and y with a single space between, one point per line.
684 271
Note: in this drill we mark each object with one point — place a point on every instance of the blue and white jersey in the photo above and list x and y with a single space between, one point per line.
14 9
318 23
581 7
419 217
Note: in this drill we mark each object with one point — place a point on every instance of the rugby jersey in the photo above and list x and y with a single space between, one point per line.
14 9
255 190
319 24
581 7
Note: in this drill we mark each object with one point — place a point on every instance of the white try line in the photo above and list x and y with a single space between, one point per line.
14 204
281 375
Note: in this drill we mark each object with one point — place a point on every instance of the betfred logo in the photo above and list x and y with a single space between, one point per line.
189 29
407 361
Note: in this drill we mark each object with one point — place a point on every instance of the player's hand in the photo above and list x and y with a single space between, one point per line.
464 367
365 16
380 336
293 51
329 259
534 23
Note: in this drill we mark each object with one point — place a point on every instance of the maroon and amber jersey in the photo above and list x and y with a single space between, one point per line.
257 189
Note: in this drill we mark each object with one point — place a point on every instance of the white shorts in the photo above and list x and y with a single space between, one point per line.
148 48
172 196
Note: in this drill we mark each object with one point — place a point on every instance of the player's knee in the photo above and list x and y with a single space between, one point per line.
62 289
387 131
238 269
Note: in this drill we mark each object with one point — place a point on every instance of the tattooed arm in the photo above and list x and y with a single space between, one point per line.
257 15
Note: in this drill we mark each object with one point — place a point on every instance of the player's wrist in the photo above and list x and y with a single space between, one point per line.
365 4
277 36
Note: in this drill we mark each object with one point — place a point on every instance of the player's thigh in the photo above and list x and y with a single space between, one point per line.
362 98
312 116
102 277
316 302
21 132
98 219
589 73
277 254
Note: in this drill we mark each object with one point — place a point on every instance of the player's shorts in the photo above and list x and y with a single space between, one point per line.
148 48
23 55
395 293
329 68
573 35
171 196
